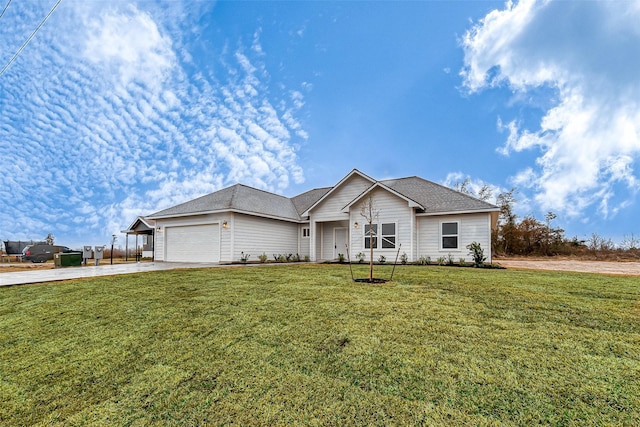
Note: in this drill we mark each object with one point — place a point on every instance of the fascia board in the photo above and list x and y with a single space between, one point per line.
297 221
141 219
458 212
156 217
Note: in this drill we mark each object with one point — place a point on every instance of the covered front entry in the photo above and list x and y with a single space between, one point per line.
340 240
330 239
192 243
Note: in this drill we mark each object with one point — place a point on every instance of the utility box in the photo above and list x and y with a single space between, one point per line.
86 253
98 254
67 259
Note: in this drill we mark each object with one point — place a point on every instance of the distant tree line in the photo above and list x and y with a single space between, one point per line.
530 236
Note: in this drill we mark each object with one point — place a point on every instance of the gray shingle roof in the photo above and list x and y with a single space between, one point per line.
238 198
433 197
304 201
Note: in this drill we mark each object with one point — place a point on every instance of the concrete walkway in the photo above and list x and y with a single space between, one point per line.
68 273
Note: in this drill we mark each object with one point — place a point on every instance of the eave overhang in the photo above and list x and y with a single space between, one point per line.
223 211
468 211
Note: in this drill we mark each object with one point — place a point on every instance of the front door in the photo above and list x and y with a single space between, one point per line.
339 242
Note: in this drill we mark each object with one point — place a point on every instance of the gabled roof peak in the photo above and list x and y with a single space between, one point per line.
339 184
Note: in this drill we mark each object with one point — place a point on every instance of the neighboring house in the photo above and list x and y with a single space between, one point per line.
416 216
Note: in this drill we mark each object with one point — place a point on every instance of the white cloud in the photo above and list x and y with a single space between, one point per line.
123 128
256 46
129 43
588 54
297 98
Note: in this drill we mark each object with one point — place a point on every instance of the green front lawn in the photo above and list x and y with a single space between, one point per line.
303 345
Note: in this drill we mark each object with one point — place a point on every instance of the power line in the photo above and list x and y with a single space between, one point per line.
5 8
55 6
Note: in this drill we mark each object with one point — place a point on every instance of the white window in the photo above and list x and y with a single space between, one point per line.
387 238
449 235
306 232
371 236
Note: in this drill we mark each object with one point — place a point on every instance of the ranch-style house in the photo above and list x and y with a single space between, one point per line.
417 217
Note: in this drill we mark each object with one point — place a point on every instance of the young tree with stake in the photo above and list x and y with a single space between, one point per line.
370 213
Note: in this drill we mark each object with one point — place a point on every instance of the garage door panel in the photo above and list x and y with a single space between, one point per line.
193 243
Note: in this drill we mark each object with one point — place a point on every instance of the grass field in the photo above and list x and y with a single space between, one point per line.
303 345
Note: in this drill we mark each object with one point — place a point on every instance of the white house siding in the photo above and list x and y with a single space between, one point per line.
158 248
255 235
162 224
331 208
304 243
472 228
392 209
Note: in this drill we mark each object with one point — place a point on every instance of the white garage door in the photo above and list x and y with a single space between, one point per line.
193 243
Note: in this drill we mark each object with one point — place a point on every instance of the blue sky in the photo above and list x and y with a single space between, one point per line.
118 109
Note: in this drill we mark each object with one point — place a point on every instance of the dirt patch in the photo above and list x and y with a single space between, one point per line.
601 267
24 266
7 267
373 281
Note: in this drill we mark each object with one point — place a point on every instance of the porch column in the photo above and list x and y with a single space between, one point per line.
312 237
412 256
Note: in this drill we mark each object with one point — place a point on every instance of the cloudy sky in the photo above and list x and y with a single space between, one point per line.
120 108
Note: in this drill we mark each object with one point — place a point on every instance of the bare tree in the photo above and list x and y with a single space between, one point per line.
630 242
370 213
507 226
485 193
464 186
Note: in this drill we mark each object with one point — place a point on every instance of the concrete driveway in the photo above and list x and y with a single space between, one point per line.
52 275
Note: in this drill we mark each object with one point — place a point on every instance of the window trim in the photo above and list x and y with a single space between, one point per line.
305 232
442 235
